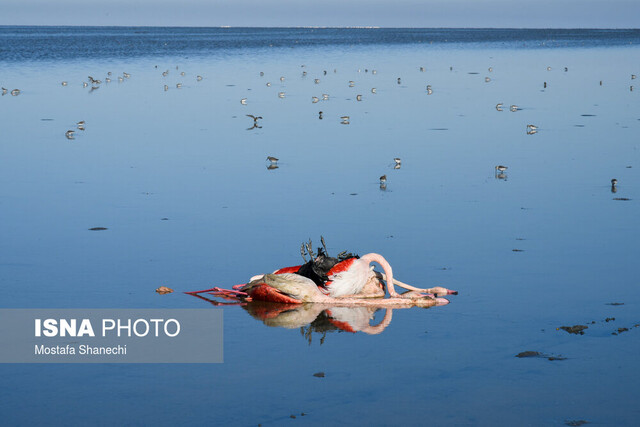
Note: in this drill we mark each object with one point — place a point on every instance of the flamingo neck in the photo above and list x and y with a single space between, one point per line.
379 259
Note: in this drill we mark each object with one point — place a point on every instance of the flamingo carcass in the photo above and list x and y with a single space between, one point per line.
347 281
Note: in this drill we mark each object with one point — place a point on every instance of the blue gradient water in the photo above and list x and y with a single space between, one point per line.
444 219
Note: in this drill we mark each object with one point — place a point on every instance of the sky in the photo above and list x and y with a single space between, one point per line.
340 13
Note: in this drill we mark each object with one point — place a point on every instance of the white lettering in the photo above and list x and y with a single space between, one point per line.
106 328
166 327
135 327
51 327
86 329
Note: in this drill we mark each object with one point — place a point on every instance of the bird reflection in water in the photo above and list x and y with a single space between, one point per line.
318 318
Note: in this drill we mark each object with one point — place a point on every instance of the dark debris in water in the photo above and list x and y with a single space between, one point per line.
615 303
98 229
517 250
621 198
319 374
530 353
537 354
576 422
575 329
620 330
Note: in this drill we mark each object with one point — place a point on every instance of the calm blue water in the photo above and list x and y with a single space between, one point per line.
445 217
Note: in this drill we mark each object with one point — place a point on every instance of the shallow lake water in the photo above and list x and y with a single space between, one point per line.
182 185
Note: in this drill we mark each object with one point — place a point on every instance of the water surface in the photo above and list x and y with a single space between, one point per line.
183 188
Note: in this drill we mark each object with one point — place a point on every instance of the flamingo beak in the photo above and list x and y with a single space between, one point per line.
450 292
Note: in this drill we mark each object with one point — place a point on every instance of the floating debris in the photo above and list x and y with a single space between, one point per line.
530 353
576 423
540 355
98 229
576 329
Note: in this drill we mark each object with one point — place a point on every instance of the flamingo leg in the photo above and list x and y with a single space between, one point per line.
435 290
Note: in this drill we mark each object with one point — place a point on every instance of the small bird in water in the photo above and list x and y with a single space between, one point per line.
243 101
80 124
345 120
398 164
281 95
399 80
501 168
255 118
273 159
352 83
69 134
316 81
15 92
514 108
383 179
178 85
268 84
314 99
281 79
4 91
199 78
320 115
325 96
374 90
614 184
166 88
532 128
499 106
487 79
358 97
126 75
64 83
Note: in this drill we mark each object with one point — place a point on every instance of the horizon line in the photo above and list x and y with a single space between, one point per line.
361 27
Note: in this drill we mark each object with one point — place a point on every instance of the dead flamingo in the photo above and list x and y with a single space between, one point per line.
346 280
291 288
